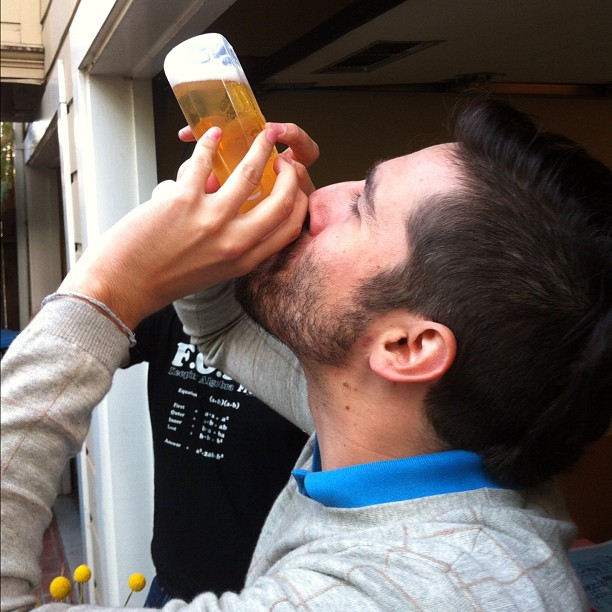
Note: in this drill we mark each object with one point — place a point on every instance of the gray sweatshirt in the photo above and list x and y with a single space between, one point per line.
479 549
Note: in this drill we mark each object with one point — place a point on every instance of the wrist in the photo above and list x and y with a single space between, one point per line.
99 306
100 287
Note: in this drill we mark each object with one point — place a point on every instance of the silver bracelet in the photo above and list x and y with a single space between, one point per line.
116 320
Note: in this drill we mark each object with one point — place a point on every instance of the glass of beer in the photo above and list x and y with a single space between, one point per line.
212 90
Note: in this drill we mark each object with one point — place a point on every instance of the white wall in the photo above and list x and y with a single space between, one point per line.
100 132
116 172
44 229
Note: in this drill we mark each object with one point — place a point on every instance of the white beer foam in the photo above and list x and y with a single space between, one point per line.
208 57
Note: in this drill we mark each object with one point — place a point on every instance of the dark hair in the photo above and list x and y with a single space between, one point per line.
518 264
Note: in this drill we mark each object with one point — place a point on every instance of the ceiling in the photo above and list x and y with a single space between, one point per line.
541 47
521 44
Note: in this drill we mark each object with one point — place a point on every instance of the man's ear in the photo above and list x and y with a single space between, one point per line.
414 351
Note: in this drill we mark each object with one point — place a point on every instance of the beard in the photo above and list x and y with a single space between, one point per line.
286 296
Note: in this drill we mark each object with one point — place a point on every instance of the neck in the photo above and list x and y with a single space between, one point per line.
364 419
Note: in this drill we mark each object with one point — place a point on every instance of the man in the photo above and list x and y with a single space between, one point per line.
447 315
442 305
494 286
221 458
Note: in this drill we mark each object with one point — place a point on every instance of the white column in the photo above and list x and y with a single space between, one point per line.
116 171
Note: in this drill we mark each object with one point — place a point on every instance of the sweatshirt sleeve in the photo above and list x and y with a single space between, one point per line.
235 344
53 375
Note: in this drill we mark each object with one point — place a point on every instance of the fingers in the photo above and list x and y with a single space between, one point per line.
247 175
304 180
212 183
276 221
279 205
184 239
196 172
302 148
186 134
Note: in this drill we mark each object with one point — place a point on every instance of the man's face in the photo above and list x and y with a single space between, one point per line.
305 295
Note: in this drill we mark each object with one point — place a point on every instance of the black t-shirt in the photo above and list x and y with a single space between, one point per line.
221 458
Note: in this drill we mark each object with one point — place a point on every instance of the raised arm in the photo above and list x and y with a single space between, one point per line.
184 239
231 341
62 365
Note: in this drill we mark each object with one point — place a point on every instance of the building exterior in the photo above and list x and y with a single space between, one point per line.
22 56
95 131
84 158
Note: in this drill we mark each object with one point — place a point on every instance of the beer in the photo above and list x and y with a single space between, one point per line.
231 106
212 90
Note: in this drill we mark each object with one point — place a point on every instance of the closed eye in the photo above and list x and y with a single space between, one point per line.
354 206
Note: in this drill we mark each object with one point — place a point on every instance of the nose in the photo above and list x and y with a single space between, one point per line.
329 205
316 211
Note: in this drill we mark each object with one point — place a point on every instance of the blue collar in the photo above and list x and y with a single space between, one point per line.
368 484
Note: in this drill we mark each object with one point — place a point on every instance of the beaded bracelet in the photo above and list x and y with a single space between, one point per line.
107 311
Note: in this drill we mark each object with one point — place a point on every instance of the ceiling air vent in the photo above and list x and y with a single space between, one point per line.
378 54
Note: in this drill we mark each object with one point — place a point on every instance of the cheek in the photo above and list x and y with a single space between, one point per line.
334 244
390 240
344 257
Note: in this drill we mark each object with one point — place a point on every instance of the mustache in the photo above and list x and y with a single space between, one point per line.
285 256
276 262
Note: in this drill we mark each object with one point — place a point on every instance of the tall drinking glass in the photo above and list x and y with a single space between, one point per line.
212 90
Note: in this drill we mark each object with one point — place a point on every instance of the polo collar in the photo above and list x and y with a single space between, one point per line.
395 480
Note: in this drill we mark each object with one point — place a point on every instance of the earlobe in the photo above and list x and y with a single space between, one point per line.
421 351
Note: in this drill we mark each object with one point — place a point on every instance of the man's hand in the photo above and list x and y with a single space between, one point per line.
185 239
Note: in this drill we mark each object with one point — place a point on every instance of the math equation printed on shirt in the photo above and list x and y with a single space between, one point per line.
200 417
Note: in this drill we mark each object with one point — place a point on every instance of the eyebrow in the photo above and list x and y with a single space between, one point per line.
368 191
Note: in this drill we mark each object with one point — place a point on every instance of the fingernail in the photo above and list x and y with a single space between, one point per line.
279 128
214 133
287 160
271 136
